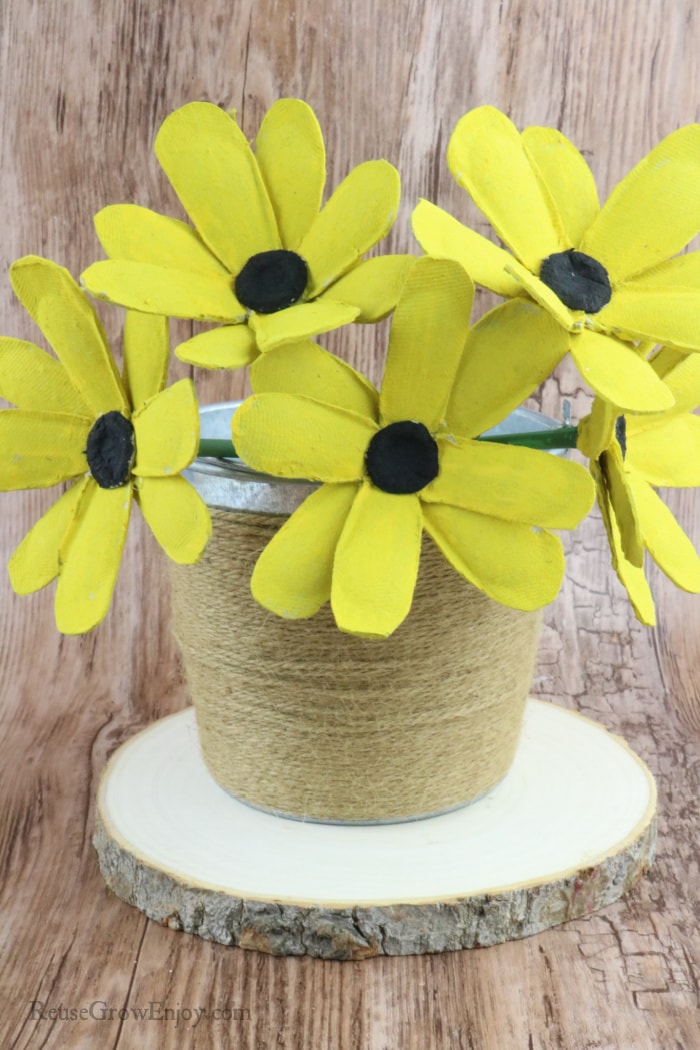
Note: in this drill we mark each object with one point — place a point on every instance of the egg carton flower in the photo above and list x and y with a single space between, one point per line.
605 274
264 258
632 455
117 437
395 463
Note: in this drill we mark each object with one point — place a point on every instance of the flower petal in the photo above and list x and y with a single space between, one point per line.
571 320
295 437
683 379
299 322
292 160
632 578
508 353
566 179
374 286
69 323
35 563
292 576
146 354
681 272
515 564
428 333
162 290
662 315
667 453
516 484
90 558
306 369
128 231
376 563
34 380
654 212
40 449
443 237
214 173
167 431
621 495
229 346
358 214
618 373
487 158
177 515
665 540
596 430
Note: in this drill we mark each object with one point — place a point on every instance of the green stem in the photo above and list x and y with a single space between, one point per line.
562 437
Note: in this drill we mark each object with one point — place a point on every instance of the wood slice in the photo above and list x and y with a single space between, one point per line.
569 830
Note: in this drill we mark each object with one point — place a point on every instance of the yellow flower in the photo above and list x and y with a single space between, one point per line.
605 274
262 259
119 437
403 460
630 456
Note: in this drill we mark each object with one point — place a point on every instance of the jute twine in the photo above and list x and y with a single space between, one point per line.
302 719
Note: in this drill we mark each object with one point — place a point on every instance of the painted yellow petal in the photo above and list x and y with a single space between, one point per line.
292 576
376 563
443 237
516 484
622 501
681 272
146 354
230 346
663 315
34 380
160 290
295 437
66 317
665 540
128 231
40 449
428 333
300 321
306 369
682 378
90 558
667 453
292 160
35 563
515 564
654 212
167 431
571 320
618 373
566 178
508 353
596 431
360 212
374 286
214 173
632 578
177 515
487 158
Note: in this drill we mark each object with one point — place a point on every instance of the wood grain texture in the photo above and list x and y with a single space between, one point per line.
84 85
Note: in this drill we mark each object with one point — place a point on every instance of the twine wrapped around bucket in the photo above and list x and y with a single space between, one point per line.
299 718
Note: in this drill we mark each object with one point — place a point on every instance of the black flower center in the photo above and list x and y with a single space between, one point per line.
621 434
271 281
110 450
402 458
581 282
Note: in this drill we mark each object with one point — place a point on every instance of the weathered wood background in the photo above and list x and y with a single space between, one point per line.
84 85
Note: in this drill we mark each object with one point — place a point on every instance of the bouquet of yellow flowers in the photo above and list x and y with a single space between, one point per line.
270 267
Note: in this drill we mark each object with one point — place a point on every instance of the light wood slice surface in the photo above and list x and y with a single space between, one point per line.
568 831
